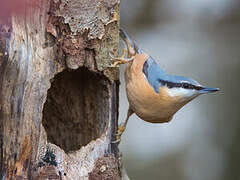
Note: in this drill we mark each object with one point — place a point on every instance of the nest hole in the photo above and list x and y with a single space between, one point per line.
76 109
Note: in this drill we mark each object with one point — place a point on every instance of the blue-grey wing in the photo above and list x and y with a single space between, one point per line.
154 73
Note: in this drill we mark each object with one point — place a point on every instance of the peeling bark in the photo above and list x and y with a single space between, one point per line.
58 98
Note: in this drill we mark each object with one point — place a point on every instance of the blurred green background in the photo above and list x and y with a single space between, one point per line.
198 39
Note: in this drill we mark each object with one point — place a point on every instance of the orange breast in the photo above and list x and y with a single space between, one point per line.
144 101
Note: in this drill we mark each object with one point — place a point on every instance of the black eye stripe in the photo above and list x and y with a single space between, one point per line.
183 85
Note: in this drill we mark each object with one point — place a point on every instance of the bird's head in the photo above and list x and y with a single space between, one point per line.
183 88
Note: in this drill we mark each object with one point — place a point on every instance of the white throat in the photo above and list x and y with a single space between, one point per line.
181 92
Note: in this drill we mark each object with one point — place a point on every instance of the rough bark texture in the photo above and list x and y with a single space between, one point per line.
58 98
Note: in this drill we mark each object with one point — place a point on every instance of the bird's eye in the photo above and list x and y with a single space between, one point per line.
186 85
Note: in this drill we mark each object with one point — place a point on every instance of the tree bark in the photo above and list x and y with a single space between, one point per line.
58 98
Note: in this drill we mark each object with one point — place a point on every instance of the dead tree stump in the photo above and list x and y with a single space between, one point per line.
58 98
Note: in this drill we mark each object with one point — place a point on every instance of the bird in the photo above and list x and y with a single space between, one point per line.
153 94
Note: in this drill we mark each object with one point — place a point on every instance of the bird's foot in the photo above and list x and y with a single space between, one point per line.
120 60
121 129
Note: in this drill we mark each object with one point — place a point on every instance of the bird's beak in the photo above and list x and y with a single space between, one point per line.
208 90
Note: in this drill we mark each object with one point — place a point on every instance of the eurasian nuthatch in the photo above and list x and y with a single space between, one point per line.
153 95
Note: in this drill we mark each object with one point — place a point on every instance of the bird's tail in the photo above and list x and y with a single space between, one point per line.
131 46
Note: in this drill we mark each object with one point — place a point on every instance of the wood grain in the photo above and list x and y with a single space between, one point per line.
58 99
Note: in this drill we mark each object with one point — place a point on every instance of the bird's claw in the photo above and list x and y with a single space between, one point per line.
121 129
120 60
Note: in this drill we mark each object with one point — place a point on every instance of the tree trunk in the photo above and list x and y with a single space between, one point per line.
58 98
